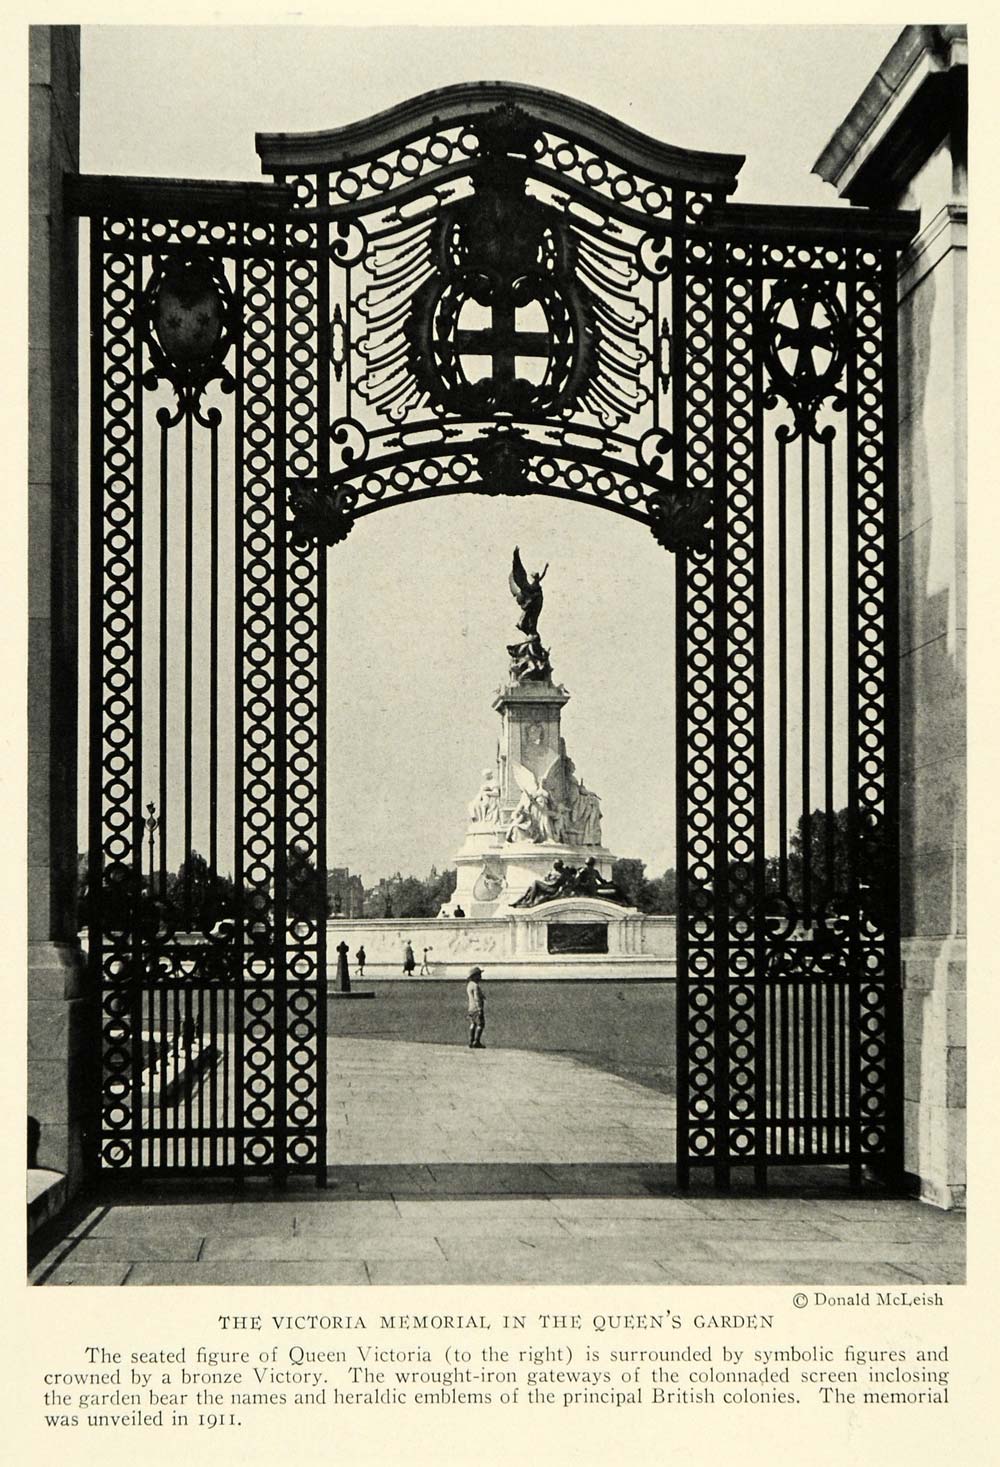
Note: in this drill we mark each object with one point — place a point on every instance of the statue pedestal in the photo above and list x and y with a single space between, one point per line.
570 938
494 873
537 796
530 737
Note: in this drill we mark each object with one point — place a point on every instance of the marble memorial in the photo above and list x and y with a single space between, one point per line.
534 832
534 896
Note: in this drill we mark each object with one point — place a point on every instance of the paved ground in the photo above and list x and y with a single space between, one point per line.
501 1167
628 1029
487 1105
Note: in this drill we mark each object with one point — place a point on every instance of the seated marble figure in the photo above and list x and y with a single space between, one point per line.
564 880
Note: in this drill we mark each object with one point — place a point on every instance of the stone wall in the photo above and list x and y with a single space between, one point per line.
511 947
904 146
933 676
57 1081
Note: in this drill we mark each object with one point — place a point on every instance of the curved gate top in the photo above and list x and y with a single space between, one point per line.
502 321
489 289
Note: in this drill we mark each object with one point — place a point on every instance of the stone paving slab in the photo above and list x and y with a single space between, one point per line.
746 1249
629 1209
870 1214
705 1229
542 1233
488 1232
941 1232
151 1221
304 1246
246 1218
132 1247
526 1169
810 1271
324 1216
468 1211
249 1272
589 1251
935 1271
447 1178
548 1271
70 1272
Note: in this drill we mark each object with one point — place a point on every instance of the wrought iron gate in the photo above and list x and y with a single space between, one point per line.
489 289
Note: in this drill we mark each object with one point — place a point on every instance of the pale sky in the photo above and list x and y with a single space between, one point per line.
419 605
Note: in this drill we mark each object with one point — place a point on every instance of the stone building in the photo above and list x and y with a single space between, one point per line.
904 145
347 892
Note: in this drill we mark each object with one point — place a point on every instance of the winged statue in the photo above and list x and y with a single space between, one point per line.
529 660
527 592
540 815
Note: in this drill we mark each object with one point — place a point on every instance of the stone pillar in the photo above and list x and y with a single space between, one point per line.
903 145
531 715
57 1081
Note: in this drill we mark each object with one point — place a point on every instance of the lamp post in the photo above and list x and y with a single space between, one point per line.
152 824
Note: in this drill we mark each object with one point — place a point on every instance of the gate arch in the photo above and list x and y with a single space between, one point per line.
494 289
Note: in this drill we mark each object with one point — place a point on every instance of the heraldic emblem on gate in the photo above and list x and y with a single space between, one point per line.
488 289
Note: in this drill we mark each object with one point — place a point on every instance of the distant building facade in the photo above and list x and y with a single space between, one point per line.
347 892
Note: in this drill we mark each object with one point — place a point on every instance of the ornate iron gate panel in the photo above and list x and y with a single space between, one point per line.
789 1004
207 693
496 290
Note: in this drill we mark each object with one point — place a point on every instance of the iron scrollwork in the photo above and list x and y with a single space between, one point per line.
681 521
188 319
503 463
319 516
805 348
503 252
503 282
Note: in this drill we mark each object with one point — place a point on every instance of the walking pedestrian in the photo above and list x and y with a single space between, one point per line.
477 1008
359 958
409 961
425 971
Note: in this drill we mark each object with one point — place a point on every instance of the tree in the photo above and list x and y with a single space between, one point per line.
662 892
378 899
629 875
121 896
441 888
308 897
821 844
410 896
198 897
656 896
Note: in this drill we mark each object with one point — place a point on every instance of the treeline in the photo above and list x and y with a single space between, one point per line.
655 895
410 896
815 870
816 863
195 898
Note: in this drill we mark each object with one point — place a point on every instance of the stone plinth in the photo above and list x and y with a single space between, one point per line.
515 866
502 855
531 736
514 946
